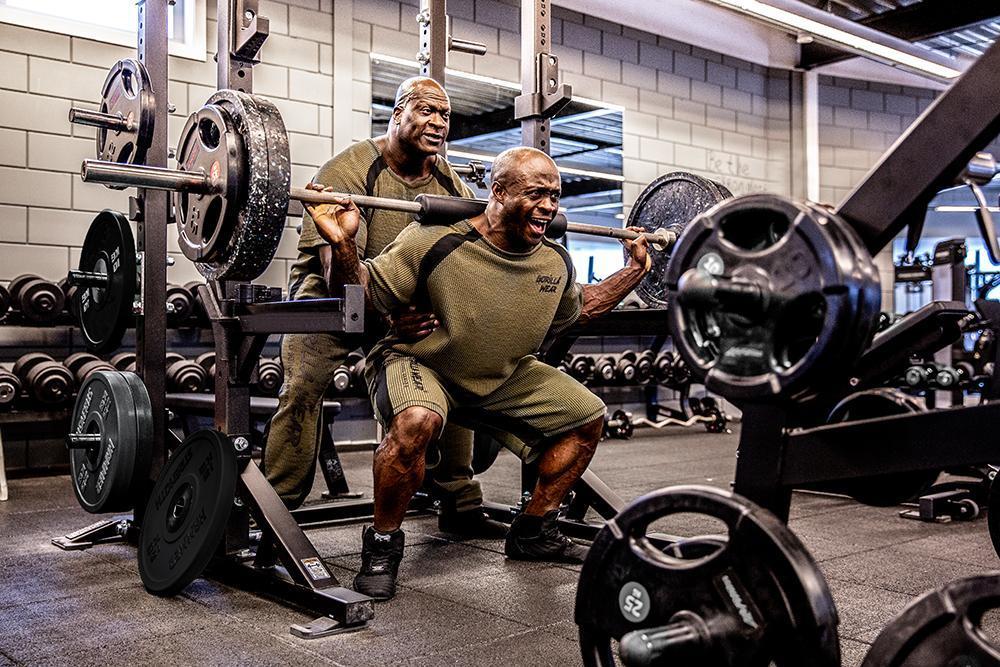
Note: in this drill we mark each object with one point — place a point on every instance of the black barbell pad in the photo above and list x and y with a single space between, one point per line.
445 210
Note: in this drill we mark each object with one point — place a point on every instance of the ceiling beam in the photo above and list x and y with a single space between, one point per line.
914 23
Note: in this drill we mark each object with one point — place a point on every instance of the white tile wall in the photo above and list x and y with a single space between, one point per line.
684 107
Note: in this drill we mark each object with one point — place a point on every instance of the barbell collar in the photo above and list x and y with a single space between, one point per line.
83 440
152 178
100 119
700 289
88 279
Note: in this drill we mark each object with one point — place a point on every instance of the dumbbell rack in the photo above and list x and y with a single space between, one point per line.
780 448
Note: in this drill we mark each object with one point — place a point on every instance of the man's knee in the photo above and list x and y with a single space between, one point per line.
410 432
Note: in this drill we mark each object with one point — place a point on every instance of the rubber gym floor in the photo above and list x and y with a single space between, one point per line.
459 603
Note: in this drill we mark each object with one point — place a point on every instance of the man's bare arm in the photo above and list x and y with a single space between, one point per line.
338 269
602 297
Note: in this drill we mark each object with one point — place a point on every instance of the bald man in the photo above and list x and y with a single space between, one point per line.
400 164
498 287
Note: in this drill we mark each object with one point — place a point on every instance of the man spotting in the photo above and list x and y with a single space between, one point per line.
402 163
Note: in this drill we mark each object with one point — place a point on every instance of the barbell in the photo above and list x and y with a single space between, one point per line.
232 189
436 208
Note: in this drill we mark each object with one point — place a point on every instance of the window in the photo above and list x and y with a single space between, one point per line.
112 21
586 144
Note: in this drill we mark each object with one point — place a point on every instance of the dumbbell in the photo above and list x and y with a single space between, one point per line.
663 366
269 377
619 426
184 375
124 361
207 361
355 363
4 301
10 388
198 308
625 367
644 366
340 381
180 305
604 369
47 381
680 374
82 364
918 376
39 300
581 367
948 377
69 295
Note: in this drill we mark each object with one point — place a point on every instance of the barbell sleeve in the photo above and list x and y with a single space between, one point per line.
699 288
83 440
152 178
465 46
98 119
87 279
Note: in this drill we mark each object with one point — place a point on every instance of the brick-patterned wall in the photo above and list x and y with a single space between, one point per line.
684 108
45 208
858 121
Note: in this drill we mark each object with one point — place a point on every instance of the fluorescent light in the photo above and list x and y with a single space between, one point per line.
858 39
483 157
605 107
963 209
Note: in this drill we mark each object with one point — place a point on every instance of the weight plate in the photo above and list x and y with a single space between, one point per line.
143 435
758 599
103 475
235 238
941 627
822 296
104 313
187 512
880 490
128 94
670 202
205 221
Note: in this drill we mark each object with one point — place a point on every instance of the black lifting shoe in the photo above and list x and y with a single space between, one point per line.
539 538
380 556
471 523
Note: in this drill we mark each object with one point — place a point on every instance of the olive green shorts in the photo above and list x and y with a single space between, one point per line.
535 404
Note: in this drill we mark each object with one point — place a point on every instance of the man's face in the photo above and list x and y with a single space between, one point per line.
423 120
530 203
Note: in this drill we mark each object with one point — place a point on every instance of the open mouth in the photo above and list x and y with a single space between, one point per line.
538 225
434 138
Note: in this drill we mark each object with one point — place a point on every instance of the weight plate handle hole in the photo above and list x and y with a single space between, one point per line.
754 230
209 132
